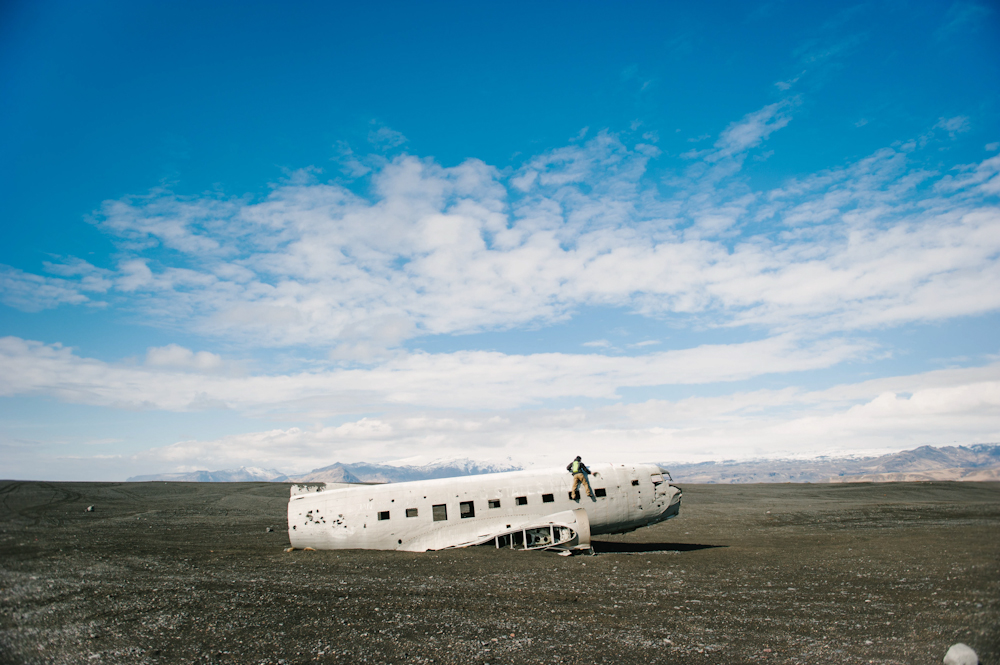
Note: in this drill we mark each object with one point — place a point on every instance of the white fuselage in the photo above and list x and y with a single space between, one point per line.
456 512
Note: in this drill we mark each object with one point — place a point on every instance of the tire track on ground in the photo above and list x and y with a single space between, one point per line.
40 513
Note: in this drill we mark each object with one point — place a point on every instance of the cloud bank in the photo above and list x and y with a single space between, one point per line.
935 408
357 272
442 251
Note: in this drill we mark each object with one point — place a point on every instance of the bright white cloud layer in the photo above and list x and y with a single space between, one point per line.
808 268
174 378
438 250
935 408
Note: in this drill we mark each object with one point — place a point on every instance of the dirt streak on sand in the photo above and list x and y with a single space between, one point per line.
187 572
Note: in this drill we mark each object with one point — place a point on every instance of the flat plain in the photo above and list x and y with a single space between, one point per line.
783 573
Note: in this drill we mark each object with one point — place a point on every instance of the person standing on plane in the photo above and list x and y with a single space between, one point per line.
580 473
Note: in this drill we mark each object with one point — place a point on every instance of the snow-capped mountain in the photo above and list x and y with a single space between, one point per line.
358 472
977 462
401 471
244 474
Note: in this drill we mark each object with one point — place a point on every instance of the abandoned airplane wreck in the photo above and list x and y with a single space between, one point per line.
527 510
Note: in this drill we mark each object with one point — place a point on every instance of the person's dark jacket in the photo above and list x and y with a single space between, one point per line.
583 468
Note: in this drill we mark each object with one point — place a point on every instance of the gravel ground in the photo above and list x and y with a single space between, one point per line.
188 572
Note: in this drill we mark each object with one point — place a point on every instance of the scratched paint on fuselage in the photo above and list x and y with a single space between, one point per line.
376 517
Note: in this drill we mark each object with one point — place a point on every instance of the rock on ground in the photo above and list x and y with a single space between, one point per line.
961 654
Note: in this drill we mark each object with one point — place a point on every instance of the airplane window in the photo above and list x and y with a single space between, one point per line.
494 503
635 482
521 501
384 515
440 512
600 492
548 498
468 509
656 478
411 512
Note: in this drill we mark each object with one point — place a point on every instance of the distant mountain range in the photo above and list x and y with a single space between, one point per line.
978 462
363 472
244 474
358 472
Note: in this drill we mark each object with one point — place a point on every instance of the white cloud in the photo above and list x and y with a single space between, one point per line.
187 224
934 408
385 137
350 164
437 251
33 293
749 132
177 357
976 179
89 277
954 126
178 379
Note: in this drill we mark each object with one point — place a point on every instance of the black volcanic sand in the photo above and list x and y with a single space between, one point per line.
187 572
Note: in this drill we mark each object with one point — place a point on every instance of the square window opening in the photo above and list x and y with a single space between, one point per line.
384 515
635 482
467 509
494 503
440 512
411 512
548 498
600 492
521 501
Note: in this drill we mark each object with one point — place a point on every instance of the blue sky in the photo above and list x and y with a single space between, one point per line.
251 234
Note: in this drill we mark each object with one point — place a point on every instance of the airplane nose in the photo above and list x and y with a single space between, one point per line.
672 493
